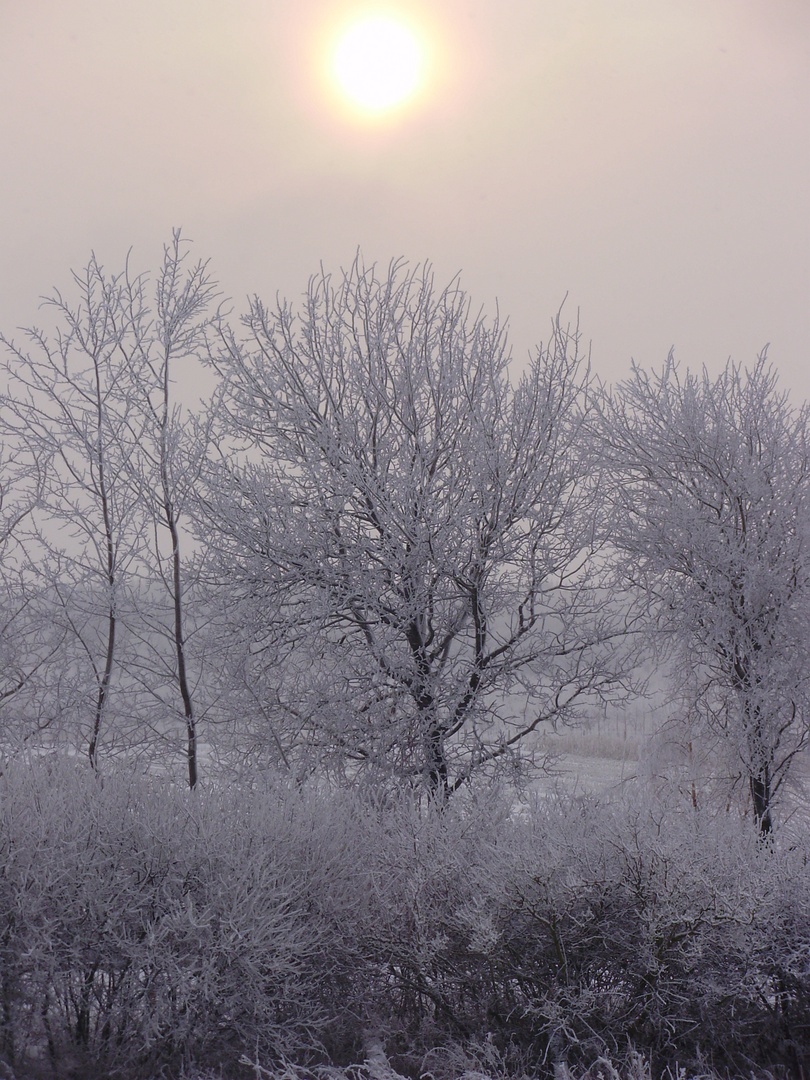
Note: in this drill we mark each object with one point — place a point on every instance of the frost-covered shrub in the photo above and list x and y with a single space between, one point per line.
148 929
141 924
430 926
633 925
565 934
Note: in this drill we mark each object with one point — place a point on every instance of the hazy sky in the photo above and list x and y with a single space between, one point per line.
650 158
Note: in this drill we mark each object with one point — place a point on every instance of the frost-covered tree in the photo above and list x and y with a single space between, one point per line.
712 493
166 467
67 404
403 532
93 401
28 640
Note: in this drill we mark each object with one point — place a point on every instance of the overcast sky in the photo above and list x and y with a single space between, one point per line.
649 158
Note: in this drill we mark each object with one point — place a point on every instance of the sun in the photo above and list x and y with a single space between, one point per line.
378 64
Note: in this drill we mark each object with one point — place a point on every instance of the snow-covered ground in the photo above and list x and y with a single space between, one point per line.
630 750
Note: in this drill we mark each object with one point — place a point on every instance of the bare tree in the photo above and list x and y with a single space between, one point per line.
28 641
712 493
68 403
171 450
406 535
95 401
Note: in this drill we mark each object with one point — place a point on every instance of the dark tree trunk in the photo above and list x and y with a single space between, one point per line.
760 787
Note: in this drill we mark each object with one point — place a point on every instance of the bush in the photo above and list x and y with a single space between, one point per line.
142 925
145 929
626 926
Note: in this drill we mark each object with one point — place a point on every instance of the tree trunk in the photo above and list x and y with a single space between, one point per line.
760 786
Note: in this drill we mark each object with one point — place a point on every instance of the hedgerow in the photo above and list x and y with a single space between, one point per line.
148 930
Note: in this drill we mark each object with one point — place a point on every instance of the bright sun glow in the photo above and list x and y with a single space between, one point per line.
378 64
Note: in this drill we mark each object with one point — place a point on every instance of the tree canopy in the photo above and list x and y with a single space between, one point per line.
407 527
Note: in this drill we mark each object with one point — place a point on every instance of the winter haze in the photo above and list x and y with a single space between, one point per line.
650 159
383 697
